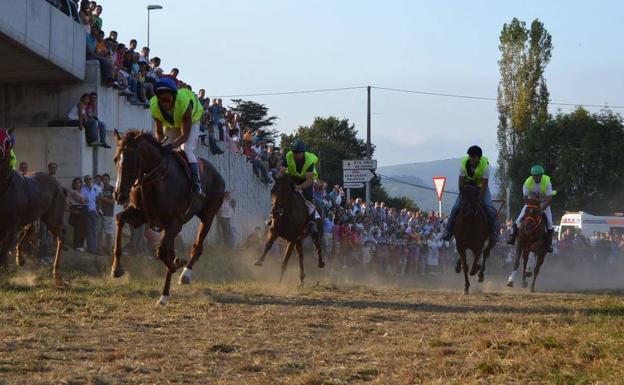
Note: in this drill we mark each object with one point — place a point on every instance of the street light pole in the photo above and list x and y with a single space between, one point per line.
150 8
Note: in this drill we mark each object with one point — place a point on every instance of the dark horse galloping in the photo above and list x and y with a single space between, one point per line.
290 220
156 185
23 201
471 232
531 238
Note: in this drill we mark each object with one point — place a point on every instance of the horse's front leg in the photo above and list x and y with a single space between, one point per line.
267 247
475 262
166 253
516 263
464 264
525 260
538 264
299 247
26 233
5 246
133 216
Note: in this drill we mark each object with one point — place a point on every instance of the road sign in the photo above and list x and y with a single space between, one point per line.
359 164
353 185
439 182
355 176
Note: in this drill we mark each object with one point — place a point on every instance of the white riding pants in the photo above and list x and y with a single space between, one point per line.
547 212
191 143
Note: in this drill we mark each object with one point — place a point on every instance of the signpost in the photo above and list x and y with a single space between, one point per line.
354 176
439 182
357 173
353 185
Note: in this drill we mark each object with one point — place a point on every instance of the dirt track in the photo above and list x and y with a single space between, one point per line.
104 332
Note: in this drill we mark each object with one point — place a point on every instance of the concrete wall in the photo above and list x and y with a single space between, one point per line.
253 199
34 105
39 43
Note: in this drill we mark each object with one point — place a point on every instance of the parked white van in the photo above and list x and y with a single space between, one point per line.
587 224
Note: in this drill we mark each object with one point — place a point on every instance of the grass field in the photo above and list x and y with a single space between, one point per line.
100 331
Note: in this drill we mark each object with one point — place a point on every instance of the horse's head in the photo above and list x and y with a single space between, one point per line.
127 164
469 194
533 213
281 192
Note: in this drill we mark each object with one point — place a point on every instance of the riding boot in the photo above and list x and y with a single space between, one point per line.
197 195
549 237
512 238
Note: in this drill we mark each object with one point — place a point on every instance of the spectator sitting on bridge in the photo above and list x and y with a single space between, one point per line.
112 37
95 128
155 71
78 114
106 67
96 20
145 54
85 16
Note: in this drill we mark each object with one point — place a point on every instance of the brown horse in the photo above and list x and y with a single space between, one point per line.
155 184
531 238
23 201
471 233
290 220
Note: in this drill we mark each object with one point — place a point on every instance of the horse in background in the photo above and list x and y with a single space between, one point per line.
471 233
23 201
155 184
531 238
290 219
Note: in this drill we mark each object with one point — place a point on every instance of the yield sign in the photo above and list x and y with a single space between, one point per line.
439 182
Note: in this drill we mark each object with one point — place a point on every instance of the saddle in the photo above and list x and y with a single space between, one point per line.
182 159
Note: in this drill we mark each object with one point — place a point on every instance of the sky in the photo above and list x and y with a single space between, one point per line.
245 47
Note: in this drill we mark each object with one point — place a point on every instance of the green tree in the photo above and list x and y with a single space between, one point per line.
255 116
379 194
333 140
583 154
522 91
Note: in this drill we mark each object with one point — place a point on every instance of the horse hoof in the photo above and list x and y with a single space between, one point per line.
481 277
162 301
466 291
20 261
321 264
118 272
60 283
510 284
532 290
178 263
300 285
185 277
258 262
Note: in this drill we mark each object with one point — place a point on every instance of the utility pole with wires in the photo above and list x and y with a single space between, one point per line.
368 140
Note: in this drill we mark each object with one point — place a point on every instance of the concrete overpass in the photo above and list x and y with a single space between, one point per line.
39 43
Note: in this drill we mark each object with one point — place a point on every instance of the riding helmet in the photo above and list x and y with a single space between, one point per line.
299 146
166 85
537 170
475 151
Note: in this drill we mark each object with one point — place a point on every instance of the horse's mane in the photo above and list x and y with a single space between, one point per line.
138 134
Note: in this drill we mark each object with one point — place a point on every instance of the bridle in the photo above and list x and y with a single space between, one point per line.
156 174
536 219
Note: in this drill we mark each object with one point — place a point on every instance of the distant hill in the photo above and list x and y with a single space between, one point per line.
421 174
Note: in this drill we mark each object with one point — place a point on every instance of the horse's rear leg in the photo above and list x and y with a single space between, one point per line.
319 248
7 243
198 248
300 253
475 262
26 233
56 267
538 264
289 250
267 247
